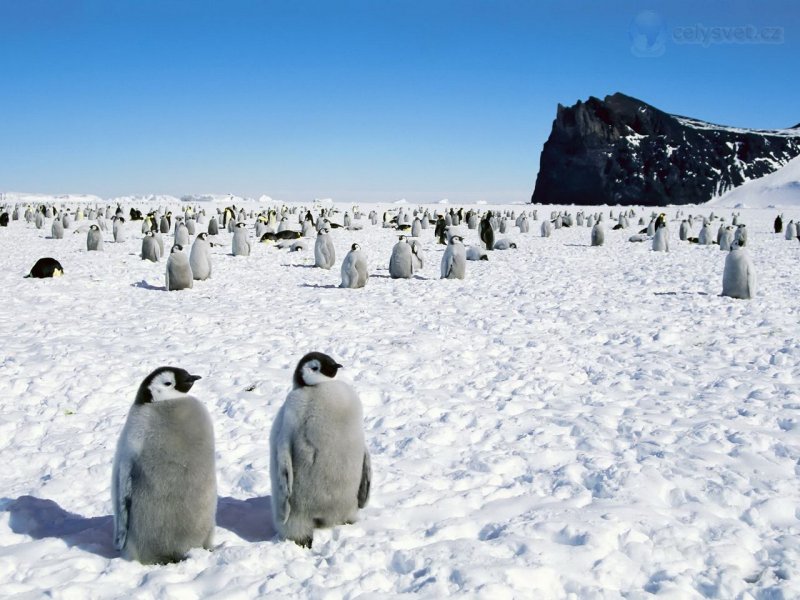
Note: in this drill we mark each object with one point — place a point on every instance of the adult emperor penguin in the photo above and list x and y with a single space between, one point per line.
179 273
319 464
94 239
454 259
240 246
324 252
486 231
150 248
46 267
200 258
164 485
440 230
401 263
739 275
354 268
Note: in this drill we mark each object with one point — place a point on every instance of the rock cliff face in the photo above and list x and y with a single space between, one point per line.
621 150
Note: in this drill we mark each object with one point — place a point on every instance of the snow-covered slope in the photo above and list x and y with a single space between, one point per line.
566 422
779 189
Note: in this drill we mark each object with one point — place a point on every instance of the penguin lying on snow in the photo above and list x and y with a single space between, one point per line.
46 267
163 486
319 465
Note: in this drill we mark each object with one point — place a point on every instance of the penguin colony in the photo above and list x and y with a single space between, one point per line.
164 480
189 258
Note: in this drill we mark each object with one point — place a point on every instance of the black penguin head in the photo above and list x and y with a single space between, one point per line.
241 224
355 247
165 383
314 368
513 245
176 248
94 228
202 236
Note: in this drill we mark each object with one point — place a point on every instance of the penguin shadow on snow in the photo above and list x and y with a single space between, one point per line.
41 518
320 286
250 519
682 293
149 286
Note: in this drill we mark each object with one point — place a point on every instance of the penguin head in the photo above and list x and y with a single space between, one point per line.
240 224
202 236
355 247
512 245
165 383
94 228
314 368
176 248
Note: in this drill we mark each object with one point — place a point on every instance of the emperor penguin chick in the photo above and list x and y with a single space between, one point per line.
319 464
354 268
164 486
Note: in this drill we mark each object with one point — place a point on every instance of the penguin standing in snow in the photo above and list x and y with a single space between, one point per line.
324 252
454 259
94 239
354 268
200 258
739 275
179 273
320 468
164 485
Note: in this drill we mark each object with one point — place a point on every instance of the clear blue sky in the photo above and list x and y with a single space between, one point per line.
371 100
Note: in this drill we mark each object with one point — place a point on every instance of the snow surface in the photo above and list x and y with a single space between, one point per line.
706 126
780 188
568 421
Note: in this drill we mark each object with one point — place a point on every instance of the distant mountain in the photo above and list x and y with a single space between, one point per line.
780 189
621 150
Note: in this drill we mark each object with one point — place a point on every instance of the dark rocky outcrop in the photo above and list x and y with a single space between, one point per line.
621 150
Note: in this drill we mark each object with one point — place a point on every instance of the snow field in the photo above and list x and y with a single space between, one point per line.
567 421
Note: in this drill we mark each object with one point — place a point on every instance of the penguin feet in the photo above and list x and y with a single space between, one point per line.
304 542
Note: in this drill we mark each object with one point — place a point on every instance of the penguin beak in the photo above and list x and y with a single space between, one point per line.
338 366
185 384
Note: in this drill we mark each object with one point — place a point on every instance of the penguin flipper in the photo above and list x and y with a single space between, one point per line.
366 480
123 486
283 493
